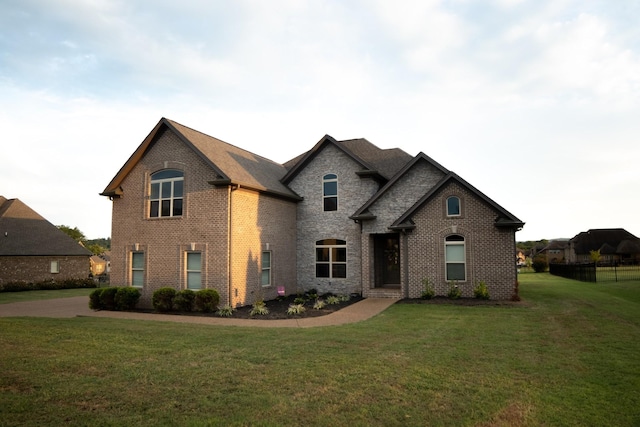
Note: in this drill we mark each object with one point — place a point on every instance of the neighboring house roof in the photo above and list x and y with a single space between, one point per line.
233 165
379 163
607 239
503 219
556 244
23 232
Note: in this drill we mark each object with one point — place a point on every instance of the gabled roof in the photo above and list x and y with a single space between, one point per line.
364 214
379 163
23 232
504 218
232 165
596 239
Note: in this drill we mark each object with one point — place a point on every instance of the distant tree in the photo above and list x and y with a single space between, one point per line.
103 243
540 264
595 256
74 233
96 249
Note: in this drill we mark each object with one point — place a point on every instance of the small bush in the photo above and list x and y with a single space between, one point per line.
428 292
162 299
184 300
332 299
481 291
126 298
319 304
259 308
108 298
299 300
295 309
94 299
226 311
540 264
207 300
454 292
344 298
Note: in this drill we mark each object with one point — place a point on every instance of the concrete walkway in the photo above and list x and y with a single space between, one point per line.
79 307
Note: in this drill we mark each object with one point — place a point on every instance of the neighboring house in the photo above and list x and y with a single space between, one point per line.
556 251
191 211
33 250
616 245
520 257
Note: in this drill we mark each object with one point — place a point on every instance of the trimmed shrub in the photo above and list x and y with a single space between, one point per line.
184 300
481 291
162 299
540 264
207 300
108 298
45 285
454 292
126 298
94 299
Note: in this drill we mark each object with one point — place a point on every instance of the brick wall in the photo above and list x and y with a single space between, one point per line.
38 268
489 250
203 227
261 223
204 224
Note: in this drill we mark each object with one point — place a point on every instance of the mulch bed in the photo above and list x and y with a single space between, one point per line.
278 309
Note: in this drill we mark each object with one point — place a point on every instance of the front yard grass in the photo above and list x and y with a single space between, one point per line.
567 355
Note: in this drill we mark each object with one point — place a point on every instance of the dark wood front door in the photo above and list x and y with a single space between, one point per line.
387 260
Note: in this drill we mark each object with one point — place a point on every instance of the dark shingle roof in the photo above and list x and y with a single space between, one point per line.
233 165
383 164
596 239
23 232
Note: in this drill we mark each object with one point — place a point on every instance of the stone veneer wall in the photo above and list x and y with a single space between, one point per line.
314 224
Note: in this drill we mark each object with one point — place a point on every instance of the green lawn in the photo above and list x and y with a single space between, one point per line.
569 355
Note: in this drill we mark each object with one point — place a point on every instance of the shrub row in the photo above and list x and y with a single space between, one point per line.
114 298
47 285
168 299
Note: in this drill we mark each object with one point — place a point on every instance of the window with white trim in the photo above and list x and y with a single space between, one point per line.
194 270
265 277
453 206
455 258
137 269
330 192
166 196
331 258
55 267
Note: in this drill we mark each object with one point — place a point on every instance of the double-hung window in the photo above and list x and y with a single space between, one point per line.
331 258
265 278
455 258
194 270
167 190
330 192
137 269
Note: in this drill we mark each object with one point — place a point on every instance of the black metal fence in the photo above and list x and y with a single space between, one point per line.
593 273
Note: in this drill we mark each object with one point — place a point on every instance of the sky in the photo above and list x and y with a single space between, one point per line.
535 103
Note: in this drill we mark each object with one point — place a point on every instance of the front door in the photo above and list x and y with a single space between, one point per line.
387 260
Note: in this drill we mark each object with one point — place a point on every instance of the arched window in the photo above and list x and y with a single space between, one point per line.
167 188
455 258
331 258
453 206
330 192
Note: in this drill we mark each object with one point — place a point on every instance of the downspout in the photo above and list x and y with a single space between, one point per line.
229 240
405 257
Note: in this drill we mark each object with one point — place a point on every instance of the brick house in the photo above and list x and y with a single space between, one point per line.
34 250
191 211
